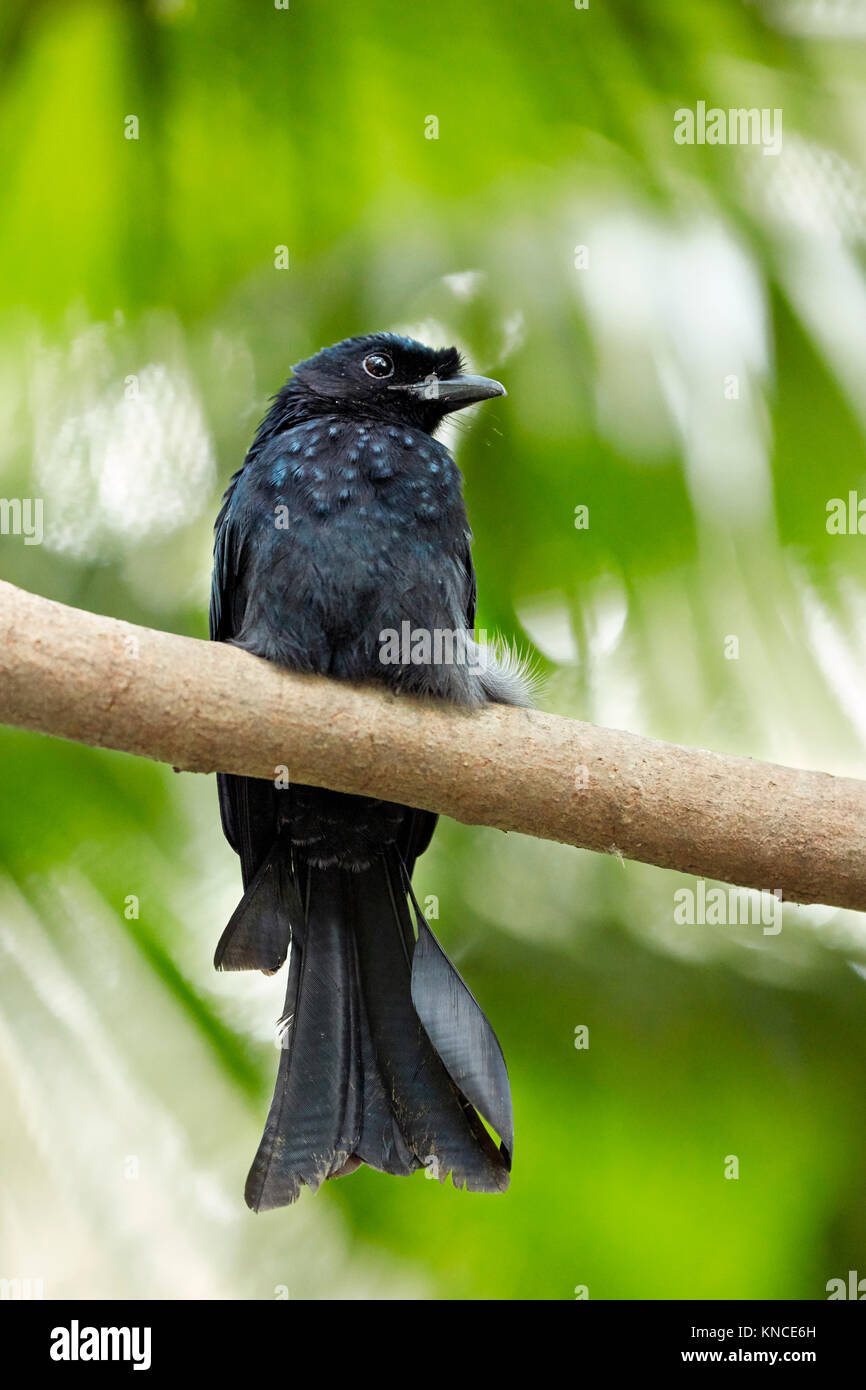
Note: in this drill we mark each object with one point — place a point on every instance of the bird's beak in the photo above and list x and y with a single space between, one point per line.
455 392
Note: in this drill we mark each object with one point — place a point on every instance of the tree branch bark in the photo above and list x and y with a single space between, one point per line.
206 707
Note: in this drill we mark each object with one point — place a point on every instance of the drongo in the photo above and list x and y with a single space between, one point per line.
343 535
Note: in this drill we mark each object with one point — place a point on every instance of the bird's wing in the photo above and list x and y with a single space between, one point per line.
227 562
419 825
248 808
509 678
465 561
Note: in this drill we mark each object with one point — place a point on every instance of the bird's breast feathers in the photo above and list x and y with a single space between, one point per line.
360 531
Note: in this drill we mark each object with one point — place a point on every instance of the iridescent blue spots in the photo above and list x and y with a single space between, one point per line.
333 431
295 446
280 471
408 441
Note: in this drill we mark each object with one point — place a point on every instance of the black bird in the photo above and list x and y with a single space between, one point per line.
343 536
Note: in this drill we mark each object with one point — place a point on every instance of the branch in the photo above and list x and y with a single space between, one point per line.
204 707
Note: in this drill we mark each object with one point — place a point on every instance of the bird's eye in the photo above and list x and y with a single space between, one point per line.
378 364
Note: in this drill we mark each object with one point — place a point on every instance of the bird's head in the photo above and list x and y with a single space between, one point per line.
391 378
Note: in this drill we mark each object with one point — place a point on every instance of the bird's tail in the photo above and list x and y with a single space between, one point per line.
387 1058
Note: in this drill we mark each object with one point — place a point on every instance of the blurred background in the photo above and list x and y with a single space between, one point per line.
197 195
